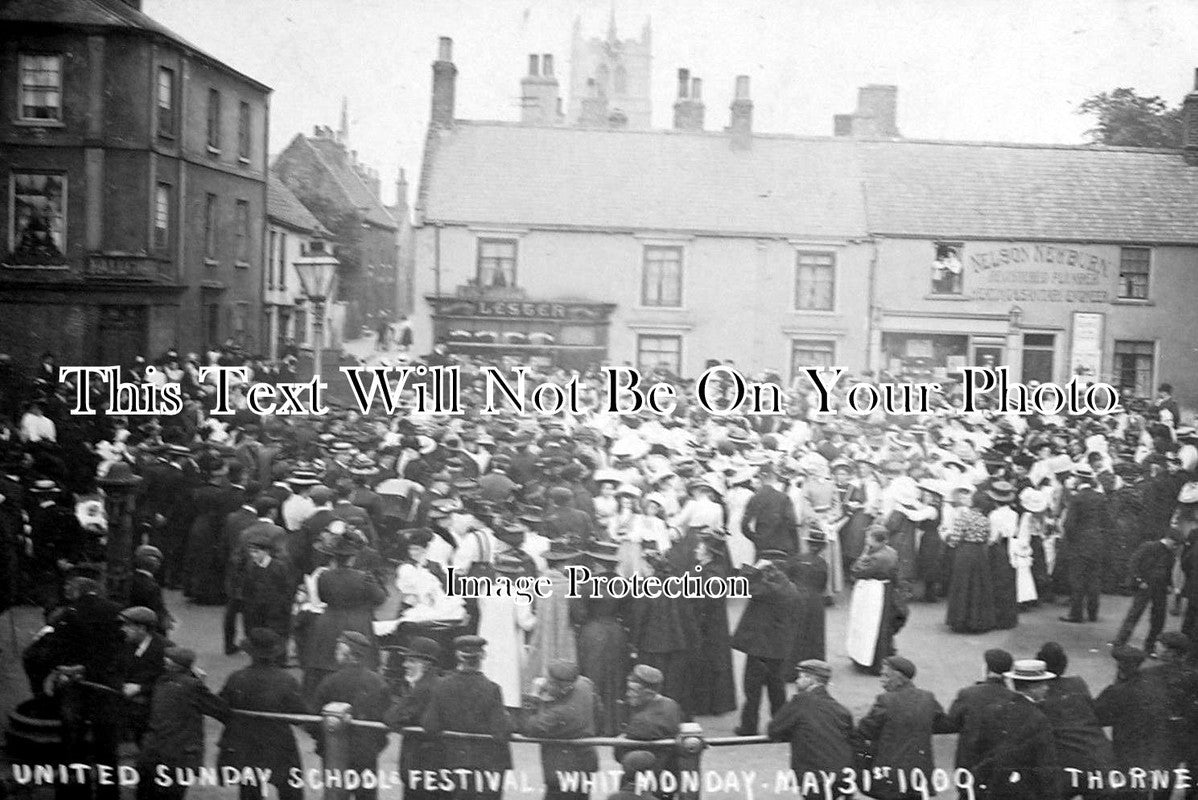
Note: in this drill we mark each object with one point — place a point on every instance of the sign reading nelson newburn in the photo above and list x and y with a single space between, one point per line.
1037 272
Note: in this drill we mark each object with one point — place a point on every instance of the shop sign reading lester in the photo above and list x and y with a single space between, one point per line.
1037 272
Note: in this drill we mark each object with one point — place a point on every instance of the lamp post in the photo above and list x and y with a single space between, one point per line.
317 271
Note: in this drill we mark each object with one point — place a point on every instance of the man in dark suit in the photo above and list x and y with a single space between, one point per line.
267 589
255 742
235 560
1137 710
899 728
766 636
818 728
352 515
769 518
565 710
1152 572
366 693
1087 519
139 666
175 737
467 701
143 585
412 696
300 543
964 715
651 716
1017 757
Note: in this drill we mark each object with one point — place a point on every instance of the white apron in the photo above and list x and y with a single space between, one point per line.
865 620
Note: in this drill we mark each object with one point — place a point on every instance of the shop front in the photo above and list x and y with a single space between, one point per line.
566 333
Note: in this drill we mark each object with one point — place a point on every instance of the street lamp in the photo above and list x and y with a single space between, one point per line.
317 270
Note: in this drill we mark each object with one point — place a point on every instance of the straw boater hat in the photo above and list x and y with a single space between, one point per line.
1001 492
607 476
1029 669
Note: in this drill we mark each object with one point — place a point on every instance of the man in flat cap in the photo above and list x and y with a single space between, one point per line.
651 714
1137 709
818 728
413 692
466 700
367 694
899 728
257 742
175 736
563 708
139 664
965 712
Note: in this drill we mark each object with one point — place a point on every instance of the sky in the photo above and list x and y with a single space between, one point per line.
993 70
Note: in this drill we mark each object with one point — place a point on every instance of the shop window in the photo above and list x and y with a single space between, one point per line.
496 263
212 323
41 87
38 218
806 353
947 269
815 281
661 281
1133 367
1134 263
659 352
166 101
241 315
1038 357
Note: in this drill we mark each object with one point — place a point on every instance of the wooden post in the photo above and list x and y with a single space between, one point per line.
336 727
689 753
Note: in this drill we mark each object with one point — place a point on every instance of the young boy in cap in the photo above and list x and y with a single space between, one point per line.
139 665
564 708
651 714
900 726
816 725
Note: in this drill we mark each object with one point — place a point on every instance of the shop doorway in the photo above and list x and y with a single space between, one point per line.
988 353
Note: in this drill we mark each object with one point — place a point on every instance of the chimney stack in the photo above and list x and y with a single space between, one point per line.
444 78
1189 124
688 108
880 103
539 92
741 127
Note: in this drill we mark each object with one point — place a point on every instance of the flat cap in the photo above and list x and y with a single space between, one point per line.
1128 656
182 656
356 640
469 644
564 671
140 615
900 665
1175 640
647 675
814 666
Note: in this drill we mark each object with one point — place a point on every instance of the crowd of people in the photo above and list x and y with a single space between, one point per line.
327 541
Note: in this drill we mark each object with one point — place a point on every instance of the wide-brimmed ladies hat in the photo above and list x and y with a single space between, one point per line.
603 551
628 490
1033 500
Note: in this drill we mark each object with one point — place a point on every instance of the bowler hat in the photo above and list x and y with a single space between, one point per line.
563 671
262 644
423 648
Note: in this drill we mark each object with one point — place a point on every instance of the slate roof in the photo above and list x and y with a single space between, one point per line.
505 173
494 172
995 191
101 14
285 208
332 155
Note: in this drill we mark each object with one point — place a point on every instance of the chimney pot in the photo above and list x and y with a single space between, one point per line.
742 87
445 49
444 86
547 65
684 77
532 65
741 126
1189 124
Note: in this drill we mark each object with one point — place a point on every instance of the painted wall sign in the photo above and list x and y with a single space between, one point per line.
1037 273
520 309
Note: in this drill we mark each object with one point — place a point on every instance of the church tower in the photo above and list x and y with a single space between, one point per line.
611 73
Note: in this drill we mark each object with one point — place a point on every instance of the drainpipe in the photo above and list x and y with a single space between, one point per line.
437 259
869 317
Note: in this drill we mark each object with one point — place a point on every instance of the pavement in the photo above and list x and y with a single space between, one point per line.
946 663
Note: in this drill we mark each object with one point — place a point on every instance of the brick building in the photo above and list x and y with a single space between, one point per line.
135 174
595 242
344 195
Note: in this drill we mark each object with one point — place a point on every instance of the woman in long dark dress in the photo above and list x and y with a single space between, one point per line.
1004 526
853 500
708 684
349 597
930 556
602 643
971 594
